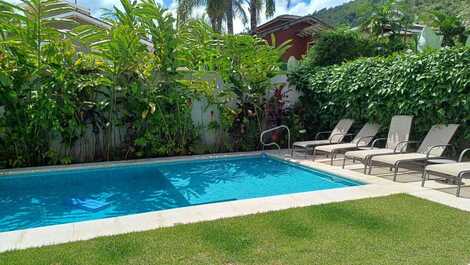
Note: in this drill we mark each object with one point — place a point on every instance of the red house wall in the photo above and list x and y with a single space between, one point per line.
299 46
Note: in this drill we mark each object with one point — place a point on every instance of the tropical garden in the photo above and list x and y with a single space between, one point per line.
90 94
71 93
77 93
380 70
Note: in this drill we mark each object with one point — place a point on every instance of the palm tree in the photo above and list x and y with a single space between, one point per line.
217 10
255 7
220 10
234 9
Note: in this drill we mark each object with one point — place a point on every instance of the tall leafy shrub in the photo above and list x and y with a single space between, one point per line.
434 87
121 92
30 60
248 72
53 94
339 46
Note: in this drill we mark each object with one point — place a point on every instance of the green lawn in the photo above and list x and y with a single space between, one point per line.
398 229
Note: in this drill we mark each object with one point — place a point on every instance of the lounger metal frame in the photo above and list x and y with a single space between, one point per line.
397 164
317 136
458 178
335 152
367 160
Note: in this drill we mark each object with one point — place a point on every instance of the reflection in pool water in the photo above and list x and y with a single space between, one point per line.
40 199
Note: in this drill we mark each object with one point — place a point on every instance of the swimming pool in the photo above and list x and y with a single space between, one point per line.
65 196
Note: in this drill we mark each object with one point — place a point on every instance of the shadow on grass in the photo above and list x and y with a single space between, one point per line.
118 250
355 218
227 238
292 225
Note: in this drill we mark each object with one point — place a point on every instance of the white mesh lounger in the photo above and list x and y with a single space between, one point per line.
398 134
433 146
362 139
335 136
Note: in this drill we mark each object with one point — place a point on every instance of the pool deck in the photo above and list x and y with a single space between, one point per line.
378 185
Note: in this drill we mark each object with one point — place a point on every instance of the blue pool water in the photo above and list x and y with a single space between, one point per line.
41 199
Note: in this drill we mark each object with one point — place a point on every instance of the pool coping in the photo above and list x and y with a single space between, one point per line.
70 232
107 164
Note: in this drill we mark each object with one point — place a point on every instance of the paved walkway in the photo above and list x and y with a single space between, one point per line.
379 184
434 190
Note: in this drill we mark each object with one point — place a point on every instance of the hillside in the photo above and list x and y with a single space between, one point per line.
353 12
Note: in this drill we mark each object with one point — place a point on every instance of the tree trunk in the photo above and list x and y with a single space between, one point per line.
230 17
213 24
253 16
219 24
216 24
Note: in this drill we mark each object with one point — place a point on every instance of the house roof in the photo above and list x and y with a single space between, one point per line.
414 29
285 22
83 15
282 19
86 18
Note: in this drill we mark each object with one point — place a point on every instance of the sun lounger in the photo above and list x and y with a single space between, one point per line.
454 171
335 136
361 140
398 135
433 146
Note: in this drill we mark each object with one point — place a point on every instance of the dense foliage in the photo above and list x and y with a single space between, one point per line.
339 46
121 92
434 87
353 13
127 90
450 27
387 24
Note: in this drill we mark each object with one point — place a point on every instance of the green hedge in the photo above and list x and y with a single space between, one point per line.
433 86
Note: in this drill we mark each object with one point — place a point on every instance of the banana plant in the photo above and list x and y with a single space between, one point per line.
122 81
28 35
32 24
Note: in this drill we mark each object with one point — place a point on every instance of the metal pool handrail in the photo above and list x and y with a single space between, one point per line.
273 143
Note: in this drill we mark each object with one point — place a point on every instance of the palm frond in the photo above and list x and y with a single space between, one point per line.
270 7
239 11
185 8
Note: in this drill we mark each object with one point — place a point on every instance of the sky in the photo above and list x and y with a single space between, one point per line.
297 7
